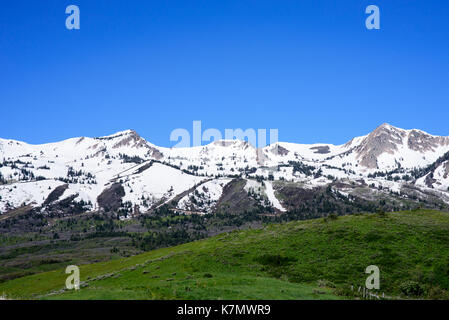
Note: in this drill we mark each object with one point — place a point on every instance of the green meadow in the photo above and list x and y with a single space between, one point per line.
316 259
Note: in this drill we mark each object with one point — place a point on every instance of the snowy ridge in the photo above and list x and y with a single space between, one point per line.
388 157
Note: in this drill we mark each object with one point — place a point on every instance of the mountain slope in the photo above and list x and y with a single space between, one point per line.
312 259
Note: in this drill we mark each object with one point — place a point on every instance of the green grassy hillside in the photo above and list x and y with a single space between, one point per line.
316 259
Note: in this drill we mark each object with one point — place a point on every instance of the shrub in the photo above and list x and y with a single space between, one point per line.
381 213
436 293
331 217
325 283
275 260
372 236
411 288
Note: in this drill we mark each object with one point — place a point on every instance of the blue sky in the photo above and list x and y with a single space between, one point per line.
307 68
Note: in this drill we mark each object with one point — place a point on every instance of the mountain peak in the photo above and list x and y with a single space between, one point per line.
384 139
121 133
387 127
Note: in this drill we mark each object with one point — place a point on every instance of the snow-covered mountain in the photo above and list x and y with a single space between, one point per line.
125 173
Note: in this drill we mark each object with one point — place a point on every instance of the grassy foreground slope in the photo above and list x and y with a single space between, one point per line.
316 259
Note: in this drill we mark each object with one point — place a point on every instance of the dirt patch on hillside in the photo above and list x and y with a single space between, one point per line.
56 194
111 198
235 199
321 149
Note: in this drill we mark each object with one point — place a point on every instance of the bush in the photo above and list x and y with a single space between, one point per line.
275 260
372 236
411 288
381 213
324 283
331 217
436 293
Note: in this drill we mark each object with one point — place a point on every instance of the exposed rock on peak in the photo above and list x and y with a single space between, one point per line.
130 139
261 158
233 143
446 170
422 142
384 138
391 140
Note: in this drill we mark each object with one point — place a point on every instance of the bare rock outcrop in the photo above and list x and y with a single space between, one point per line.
111 198
384 139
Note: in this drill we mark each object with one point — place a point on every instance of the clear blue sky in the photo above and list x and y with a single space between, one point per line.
308 68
